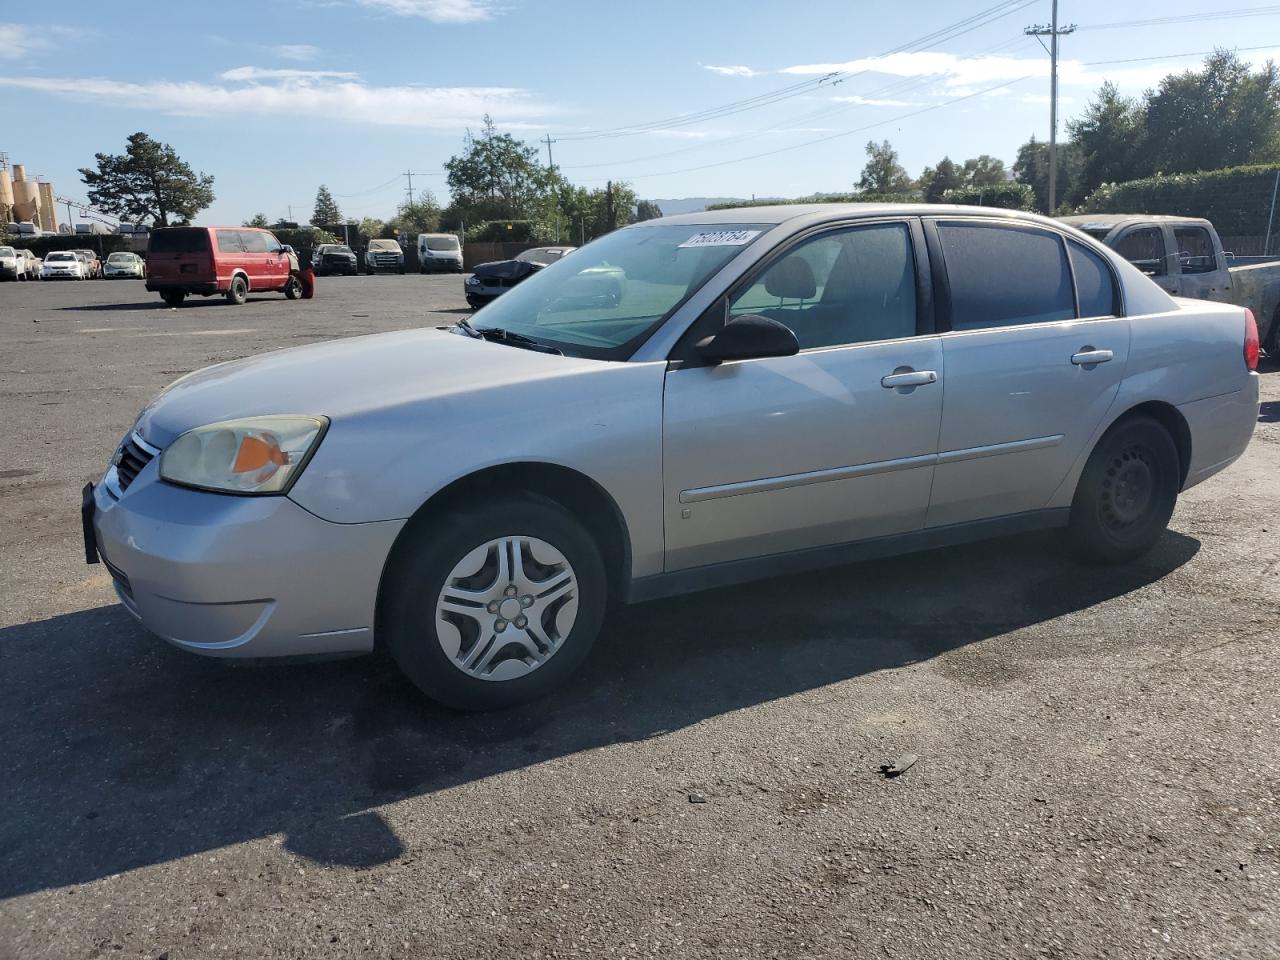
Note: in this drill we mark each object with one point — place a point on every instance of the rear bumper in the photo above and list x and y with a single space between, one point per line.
231 576
1221 428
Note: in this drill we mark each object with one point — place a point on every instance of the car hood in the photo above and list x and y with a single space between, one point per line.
505 269
345 378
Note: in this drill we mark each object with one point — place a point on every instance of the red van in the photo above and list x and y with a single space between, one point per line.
232 261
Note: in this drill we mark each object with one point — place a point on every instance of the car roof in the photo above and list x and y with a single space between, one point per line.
819 212
1115 219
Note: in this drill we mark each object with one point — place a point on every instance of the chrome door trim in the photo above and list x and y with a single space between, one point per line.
765 484
999 449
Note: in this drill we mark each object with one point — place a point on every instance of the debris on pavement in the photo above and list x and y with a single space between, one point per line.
899 766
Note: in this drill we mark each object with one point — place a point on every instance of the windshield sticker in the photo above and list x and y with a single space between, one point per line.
722 238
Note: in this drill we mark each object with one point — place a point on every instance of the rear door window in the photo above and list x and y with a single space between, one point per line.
179 240
1144 248
1195 250
229 241
1004 276
1095 285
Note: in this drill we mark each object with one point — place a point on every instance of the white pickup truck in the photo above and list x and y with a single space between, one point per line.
1184 255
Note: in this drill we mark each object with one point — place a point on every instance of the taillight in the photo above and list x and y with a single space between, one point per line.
1252 346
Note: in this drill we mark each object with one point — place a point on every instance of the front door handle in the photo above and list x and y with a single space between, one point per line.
913 378
1087 358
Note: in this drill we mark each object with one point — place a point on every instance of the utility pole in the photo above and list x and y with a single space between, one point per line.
610 217
1053 32
548 141
409 174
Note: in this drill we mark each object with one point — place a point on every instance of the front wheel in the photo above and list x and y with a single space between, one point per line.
1126 494
293 288
238 291
495 604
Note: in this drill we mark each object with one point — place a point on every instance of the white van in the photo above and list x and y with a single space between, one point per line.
439 251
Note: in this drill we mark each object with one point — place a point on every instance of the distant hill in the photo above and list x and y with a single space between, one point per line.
690 204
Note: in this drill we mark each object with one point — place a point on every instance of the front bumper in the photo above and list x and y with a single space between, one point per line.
234 576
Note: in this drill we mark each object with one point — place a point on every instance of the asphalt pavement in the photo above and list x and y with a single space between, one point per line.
1098 749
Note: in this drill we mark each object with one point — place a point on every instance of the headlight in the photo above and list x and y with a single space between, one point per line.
253 455
473 281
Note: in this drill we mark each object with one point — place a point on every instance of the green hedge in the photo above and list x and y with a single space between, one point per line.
1007 196
1236 199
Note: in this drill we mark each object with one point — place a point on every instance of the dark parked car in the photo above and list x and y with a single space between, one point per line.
490 280
331 258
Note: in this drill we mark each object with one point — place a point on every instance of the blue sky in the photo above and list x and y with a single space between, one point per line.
274 98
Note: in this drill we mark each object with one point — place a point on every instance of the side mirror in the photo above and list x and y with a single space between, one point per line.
747 338
287 249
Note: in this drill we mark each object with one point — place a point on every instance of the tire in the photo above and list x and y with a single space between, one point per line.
173 298
1272 346
401 271
238 292
368 271
293 288
432 645
1126 493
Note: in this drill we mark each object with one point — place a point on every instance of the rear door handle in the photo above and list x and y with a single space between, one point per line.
1086 358
914 378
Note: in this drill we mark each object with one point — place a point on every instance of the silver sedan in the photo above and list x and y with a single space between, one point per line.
771 390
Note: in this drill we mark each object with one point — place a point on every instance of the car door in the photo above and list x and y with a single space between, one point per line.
778 454
1199 273
275 265
231 256
1147 248
256 258
1034 352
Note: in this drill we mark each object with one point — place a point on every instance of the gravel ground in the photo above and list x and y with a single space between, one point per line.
1099 749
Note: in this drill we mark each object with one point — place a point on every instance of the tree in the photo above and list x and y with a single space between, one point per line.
421 216
936 181
1032 168
1223 115
497 177
984 171
647 210
326 210
583 214
883 173
1112 139
258 220
149 181
371 228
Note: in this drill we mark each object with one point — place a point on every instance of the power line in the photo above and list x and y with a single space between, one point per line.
949 32
1177 56
1236 14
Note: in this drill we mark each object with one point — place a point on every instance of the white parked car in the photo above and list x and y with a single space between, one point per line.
34 263
122 264
63 265
13 265
775 389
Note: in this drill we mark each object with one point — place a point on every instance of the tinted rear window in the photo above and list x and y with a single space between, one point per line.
1094 284
1005 276
179 240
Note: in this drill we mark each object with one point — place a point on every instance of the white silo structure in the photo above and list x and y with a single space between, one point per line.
26 196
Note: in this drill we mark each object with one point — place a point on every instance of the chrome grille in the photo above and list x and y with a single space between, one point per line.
133 455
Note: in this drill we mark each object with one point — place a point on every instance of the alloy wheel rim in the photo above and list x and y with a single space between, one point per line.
506 607
1128 489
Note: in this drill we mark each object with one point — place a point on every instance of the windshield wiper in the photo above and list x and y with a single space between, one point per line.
499 335
468 329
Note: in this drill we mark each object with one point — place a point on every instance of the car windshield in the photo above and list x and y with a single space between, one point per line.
542 255
60 256
120 258
8 252
442 243
605 299
338 249
383 245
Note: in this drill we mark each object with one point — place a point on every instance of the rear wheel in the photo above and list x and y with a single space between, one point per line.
293 288
1272 346
1126 494
495 604
173 298
238 291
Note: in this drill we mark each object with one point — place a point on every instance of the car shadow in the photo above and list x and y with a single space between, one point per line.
1269 412
158 304
121 752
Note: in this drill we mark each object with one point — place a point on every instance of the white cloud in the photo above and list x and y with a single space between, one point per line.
731 71
301 52
255 74
871 102
438 11
352 101
18 41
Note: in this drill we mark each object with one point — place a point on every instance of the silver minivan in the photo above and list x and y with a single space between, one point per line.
439 252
